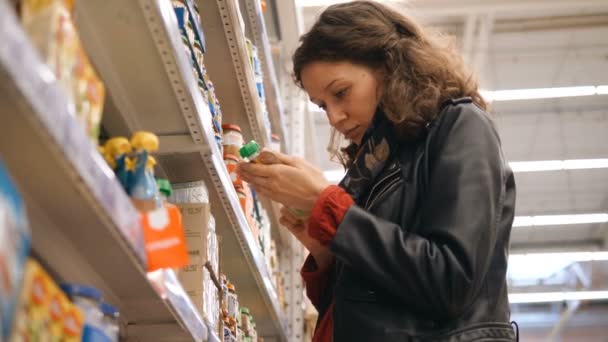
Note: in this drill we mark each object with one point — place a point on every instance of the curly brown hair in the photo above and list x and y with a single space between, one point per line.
420 70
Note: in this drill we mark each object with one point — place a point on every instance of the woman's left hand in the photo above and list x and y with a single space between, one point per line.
294 183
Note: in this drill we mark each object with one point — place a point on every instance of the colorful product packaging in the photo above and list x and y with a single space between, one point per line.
14 247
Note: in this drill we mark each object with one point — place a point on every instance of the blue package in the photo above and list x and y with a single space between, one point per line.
15 239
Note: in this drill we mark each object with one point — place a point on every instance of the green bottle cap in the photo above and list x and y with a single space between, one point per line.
249 149
245 310
164 187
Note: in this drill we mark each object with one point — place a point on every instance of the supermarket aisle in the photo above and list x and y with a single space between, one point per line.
122 212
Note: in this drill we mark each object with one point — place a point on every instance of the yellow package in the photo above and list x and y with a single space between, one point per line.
32 8
43 310
51 29
73 322
89 94
33 315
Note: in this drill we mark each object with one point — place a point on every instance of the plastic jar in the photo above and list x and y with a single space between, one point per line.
232 139
87 299
110 321
252 152
232 302
253 332
232 161
246 320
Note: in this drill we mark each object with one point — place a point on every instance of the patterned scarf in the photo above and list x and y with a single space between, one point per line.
371 158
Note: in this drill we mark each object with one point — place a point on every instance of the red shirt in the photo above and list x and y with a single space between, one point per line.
329 210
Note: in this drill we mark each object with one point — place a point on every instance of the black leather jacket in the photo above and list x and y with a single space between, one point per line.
426 258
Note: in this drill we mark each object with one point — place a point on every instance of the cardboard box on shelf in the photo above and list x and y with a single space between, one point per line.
196 221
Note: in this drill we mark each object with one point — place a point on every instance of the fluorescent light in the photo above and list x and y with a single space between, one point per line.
543 265
543 93
555 165
335 176
602 90
547 297
569 256
553 220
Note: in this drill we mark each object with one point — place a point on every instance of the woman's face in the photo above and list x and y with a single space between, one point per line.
347 92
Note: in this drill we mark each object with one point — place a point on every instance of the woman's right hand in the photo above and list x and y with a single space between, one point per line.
299 228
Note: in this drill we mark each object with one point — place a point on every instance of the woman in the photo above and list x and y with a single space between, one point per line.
413 243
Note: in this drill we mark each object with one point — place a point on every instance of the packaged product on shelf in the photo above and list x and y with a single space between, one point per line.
183 19
229 335
165 190
211 301
116 153
134 167
232 161
143 190
52 31
213 248
246 200
44 313
189 192
214 108
233 139
162 224
14 248
199 226
164 238
110 321
232 301
245 320
87 299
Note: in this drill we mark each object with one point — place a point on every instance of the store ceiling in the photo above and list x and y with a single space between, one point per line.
533 44
519 44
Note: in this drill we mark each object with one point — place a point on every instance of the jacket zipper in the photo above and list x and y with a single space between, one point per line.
372 197
387 189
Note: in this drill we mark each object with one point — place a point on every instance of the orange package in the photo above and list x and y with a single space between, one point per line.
164 238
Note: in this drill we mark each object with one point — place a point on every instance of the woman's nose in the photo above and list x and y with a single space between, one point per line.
335 115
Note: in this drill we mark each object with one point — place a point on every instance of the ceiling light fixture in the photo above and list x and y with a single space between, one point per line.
569 256
543 265
335 176
556 165
543 93
547 297
554 220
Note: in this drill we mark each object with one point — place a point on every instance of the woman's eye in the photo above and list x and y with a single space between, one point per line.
340 94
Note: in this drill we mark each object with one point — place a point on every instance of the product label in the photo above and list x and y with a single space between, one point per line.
233 139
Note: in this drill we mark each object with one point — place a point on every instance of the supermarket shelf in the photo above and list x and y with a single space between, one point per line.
153 88
224 29
84 228
256 28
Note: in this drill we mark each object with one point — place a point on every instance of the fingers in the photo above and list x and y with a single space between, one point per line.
253 169
286 159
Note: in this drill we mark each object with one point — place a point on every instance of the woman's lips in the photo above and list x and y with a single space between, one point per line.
351 132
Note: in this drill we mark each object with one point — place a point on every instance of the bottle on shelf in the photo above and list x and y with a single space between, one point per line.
87 299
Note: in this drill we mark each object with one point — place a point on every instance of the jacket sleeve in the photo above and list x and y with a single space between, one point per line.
439 270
